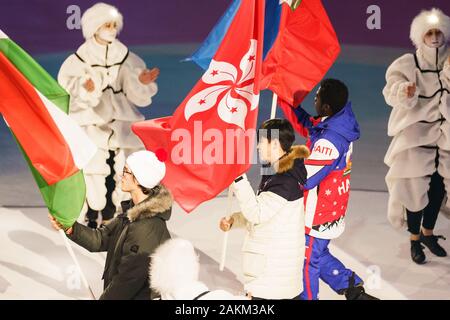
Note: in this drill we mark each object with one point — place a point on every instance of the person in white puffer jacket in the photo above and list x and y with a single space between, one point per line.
106 82
273 253
418 90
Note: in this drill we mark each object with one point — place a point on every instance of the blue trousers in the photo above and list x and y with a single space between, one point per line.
321 264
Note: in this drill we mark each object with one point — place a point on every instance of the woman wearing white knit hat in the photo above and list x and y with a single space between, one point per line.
106 82
418 90
131 237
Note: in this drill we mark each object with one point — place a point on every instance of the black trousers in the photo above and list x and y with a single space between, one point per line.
110 209
428 216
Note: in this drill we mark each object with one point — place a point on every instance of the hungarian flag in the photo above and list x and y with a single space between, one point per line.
35 108
300 45
209 139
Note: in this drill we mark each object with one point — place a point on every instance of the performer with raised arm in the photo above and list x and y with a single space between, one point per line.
106 82
418 90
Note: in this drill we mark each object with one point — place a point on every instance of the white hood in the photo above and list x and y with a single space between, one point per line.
427 20
174 273
97 15
174 266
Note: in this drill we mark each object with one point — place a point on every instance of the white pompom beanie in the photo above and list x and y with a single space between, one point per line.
146 168
174 265
97 15
427 20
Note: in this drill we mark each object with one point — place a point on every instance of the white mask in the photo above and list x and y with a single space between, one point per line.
434 38
107 35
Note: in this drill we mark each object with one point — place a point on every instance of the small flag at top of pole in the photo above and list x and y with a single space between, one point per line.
292 3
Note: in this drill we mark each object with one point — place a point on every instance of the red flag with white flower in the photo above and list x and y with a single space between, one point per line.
210 138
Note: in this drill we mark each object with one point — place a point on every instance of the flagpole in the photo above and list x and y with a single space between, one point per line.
225 237
77 264
273 111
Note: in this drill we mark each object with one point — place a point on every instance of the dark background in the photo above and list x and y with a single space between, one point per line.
40 25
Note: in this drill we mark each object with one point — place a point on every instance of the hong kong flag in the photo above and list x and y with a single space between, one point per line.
209 139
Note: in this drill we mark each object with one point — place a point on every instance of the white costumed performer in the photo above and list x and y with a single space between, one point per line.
418 90
106 82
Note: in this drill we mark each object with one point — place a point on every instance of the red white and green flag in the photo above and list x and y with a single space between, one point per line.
56 149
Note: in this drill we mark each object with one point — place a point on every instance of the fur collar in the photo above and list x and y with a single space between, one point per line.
287 163
151 206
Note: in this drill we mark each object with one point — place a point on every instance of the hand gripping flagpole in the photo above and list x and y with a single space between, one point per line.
225 237
77 264
273 113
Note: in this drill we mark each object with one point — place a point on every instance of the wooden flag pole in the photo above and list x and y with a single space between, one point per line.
77 264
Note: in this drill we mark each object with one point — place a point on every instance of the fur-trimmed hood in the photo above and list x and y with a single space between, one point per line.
174 273
174 269
287 162
427 20
159 204
97 15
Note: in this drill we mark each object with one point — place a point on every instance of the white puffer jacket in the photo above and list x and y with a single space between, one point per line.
420 127
274 247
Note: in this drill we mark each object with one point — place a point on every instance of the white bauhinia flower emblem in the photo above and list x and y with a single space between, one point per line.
231 91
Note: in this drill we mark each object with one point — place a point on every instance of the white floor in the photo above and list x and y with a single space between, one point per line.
34 263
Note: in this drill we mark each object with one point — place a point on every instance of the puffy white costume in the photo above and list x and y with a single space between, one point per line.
420 125
106 114
175 271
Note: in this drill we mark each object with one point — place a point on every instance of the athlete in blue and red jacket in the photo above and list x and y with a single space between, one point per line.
330 137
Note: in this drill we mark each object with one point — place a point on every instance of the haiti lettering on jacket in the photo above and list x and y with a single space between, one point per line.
323 153
323 150
326 202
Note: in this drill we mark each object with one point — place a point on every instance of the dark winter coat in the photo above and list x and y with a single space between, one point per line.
129 239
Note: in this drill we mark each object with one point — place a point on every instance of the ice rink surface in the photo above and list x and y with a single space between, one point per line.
34 263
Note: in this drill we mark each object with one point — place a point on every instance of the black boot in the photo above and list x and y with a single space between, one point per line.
431 242
110 209
92 224
358 292
107 214
417 254
91 217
